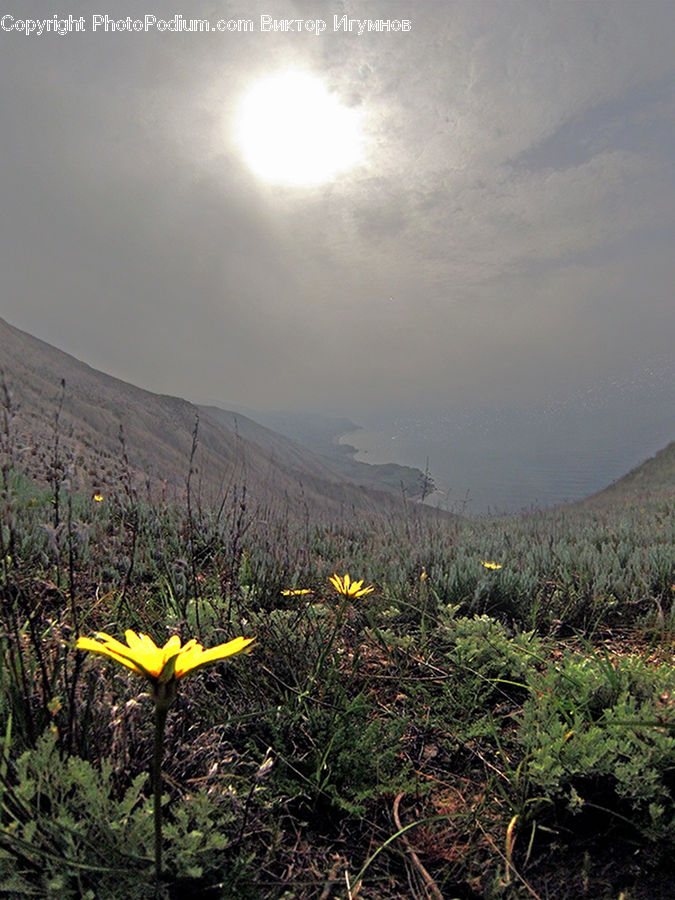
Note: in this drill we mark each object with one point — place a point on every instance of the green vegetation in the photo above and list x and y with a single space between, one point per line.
460 732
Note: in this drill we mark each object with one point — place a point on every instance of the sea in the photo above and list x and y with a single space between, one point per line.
511 459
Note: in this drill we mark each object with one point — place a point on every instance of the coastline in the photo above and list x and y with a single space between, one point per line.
370 456
350 449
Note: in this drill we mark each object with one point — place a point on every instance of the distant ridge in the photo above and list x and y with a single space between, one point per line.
157 438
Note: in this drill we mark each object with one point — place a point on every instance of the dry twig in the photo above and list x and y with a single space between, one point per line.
430 884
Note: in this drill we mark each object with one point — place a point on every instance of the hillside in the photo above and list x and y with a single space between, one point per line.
319 434
94 409
652 479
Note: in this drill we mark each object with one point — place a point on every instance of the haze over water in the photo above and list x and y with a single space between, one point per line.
508 460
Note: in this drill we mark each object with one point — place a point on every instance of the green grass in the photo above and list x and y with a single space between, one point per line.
539 693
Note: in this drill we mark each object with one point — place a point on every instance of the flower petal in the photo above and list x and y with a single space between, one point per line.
336 581
94 646
197 656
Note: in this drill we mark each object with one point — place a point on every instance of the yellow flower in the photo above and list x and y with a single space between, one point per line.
296 593
490 565
98 498
349 588
160 664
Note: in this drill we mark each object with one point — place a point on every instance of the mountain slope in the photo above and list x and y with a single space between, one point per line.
652 479
317 434
46 384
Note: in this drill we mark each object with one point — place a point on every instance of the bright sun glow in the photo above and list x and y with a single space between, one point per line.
293 130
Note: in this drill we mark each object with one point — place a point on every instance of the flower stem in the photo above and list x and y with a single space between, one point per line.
161 709
328 646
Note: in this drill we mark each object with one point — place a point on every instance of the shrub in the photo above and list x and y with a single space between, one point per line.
599 737
64 834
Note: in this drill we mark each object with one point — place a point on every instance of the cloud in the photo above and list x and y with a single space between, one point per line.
516 202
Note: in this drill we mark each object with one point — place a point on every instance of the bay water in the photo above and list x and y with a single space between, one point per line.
492 461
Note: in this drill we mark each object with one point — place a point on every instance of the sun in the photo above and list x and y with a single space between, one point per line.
292 130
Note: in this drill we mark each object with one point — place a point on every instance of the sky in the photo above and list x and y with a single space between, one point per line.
505 238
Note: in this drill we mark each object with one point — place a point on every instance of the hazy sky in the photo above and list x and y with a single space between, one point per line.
509 235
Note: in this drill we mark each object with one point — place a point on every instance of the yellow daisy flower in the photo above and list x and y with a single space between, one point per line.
160 664
348 588
490 565
162 667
